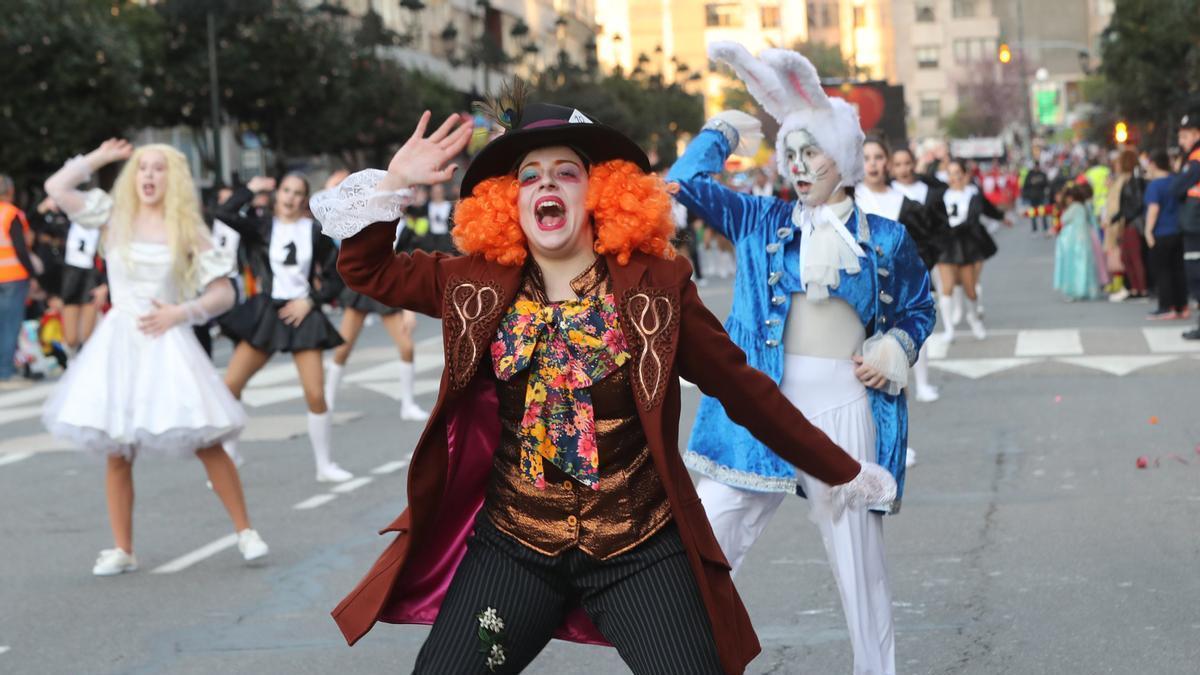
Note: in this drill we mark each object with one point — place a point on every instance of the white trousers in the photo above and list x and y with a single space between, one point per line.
829 395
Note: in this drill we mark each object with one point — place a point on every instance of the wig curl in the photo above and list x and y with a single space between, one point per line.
631 211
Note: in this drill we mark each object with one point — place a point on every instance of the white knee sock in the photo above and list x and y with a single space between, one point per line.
956 309
333 380
946 307
921 372
320 434
407 374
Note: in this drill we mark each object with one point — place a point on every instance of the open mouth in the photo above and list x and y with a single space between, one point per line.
148 189
803 186
550 213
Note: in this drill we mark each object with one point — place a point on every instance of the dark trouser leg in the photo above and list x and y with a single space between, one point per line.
1191 265
1167 257
523 587
1131 258
647 604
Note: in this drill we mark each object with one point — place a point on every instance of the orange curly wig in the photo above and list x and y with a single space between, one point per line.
631 211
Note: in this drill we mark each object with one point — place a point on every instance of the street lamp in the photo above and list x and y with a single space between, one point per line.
1121 133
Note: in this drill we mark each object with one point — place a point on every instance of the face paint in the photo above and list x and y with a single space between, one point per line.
812 172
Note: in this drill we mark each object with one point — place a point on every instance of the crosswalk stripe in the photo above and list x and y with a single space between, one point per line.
1054 342
14 457
261 396
1116 365
35 393
188 559
390 467
977 368
18 414
351 485
1168 339
314 502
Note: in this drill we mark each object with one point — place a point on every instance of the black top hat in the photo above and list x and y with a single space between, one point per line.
545 124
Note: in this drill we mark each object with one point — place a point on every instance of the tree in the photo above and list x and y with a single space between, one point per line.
827 59
1151 60
70 79
990 97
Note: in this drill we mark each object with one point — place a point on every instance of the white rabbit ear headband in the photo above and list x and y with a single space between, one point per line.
787 86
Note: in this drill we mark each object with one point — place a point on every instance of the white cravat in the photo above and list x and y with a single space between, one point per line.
826 247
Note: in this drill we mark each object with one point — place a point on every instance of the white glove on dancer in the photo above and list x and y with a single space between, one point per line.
873 486
746 127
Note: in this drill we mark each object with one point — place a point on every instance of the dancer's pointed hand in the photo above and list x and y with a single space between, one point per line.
422 160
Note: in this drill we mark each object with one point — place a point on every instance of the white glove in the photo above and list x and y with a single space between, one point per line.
748 127
873 486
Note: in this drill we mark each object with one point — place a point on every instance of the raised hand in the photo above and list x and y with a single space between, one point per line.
112 150
421 160
260 184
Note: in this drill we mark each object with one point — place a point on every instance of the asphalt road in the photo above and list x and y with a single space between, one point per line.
1029 541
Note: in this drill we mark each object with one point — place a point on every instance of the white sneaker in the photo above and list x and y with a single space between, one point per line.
977 328
332 473
251 545
910 458
1120 296
114 561
928 394
411 412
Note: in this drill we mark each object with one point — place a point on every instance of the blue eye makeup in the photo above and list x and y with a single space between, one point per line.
527 175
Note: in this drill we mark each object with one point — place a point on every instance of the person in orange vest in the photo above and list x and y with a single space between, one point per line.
1186 188
16 271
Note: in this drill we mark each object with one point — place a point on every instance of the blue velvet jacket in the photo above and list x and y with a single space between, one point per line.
890 294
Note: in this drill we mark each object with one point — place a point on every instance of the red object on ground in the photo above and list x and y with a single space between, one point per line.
1142 462
1154 419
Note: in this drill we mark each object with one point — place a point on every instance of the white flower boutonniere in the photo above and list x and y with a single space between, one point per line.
491 632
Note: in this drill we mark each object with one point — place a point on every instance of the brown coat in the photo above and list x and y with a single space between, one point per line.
658 306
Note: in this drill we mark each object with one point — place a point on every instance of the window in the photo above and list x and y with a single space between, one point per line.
925 13
971 50
927 57
860 17
964 9
723 15
771 17
931 105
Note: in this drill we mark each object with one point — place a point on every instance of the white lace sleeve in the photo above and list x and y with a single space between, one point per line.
214 264
874 486
90 209
884 353
349 208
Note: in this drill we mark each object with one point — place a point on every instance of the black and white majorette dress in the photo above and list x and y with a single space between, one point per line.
924 227
80 272
968 240
286 261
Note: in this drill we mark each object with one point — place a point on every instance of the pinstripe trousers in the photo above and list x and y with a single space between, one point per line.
645 602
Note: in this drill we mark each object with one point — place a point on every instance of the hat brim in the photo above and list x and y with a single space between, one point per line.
599 142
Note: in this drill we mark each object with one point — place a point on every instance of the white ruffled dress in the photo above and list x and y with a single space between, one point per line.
129 393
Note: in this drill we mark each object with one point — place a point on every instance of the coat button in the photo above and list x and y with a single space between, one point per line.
883 272
777 300
783 232
774 278
567 486
772 343
771 322
572 521
773 247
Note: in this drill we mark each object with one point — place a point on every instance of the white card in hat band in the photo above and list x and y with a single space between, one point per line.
579 118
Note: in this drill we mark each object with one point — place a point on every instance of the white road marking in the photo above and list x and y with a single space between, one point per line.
314 502
390 467
30 395
33 443
261 396
17 414
14 457
392 389
351 485
284 427
1116 365
1169 340
187 560
977 368
272 375
1056 342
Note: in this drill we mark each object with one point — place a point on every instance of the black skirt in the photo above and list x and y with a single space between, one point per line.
967 244
78 284
257 322
364 303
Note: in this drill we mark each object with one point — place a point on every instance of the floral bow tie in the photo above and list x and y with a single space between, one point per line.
571 346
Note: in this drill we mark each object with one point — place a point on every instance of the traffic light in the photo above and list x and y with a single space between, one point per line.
1004 54
1121 132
